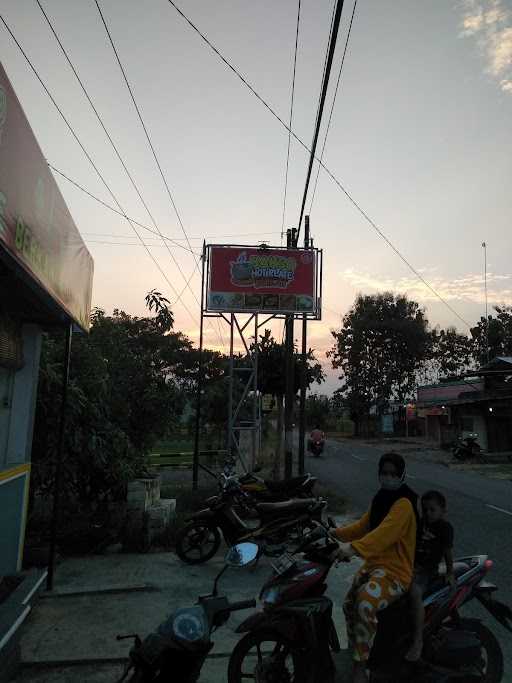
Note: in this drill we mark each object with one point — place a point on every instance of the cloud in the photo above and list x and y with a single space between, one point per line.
468 288
490 23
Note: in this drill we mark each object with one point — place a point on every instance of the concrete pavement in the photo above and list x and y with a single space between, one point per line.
479 508
71 634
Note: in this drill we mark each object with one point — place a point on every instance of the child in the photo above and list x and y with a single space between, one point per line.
435 542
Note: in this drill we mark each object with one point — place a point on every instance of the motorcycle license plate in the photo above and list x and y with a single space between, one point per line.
283 563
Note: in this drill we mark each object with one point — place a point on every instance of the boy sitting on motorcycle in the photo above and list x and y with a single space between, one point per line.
435 542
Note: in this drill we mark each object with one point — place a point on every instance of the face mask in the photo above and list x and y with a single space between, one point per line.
389 483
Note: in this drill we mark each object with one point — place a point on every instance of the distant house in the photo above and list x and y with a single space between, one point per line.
480 404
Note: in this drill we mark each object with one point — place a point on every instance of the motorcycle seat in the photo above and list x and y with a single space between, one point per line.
287 505
438 582
286 484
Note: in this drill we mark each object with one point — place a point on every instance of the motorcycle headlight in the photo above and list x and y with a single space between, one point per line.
188 624
270 595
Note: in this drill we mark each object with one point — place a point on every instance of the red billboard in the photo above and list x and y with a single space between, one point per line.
269 279
36 227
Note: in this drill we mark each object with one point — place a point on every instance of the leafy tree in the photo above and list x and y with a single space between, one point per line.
318 410
124 394
449 354
500 335
272 380
379 349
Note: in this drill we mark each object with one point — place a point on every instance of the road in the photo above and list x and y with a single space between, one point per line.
480 510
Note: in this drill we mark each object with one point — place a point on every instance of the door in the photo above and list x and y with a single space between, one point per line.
6 385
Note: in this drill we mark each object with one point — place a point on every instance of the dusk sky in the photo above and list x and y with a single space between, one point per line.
420 137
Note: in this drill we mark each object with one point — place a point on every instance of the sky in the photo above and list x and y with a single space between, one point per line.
420 138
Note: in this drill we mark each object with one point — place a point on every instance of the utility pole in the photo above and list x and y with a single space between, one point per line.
303 369
484 245
289 381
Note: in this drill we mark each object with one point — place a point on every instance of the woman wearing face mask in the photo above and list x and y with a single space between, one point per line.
385 537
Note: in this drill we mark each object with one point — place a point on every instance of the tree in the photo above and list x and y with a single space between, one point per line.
500 335
124 395
318 410
449 354
379 349
271 376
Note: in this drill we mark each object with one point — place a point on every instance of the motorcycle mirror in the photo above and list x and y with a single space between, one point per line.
242 554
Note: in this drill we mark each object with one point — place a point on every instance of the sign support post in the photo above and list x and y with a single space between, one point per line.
195 466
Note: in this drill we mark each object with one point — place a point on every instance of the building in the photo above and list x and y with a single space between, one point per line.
45 280
478 404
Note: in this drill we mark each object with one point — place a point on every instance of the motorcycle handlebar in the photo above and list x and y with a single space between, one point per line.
242 604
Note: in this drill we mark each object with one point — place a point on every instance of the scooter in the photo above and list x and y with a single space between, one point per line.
177 650
294 634
279 524
467 449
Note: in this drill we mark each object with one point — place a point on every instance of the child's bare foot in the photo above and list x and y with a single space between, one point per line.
415 650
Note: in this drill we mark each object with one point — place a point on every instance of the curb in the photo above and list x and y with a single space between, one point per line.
136 588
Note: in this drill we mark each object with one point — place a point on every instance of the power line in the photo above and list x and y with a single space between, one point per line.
111 208
325 168
150 143
321 103
291 120
240 234
332 105
114 147
89 158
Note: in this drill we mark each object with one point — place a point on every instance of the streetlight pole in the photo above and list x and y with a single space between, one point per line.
484 246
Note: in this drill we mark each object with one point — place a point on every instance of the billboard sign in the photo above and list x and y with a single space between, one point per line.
263 279
36 227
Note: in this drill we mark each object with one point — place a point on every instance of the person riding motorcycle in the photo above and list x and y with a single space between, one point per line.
385 537
317 436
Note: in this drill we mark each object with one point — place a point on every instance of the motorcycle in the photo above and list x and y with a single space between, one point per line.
316 448
294 634
279 524
467 449
180 645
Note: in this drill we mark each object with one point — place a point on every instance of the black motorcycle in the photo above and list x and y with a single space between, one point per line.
293 635
279 525
180 645
468 449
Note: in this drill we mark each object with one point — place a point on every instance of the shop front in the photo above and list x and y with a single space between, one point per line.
45 281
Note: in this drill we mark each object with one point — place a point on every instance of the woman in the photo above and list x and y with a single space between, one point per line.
385 537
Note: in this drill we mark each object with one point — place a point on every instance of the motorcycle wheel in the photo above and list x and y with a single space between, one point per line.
268 657
197 542
492 654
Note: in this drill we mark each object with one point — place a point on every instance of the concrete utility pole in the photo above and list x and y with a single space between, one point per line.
484 245
289 381
303 370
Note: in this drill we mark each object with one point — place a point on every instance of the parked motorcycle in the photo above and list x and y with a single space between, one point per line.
293 635
180 645
468 449
266 490
278 525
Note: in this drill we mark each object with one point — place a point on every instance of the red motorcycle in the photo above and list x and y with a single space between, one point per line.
290 640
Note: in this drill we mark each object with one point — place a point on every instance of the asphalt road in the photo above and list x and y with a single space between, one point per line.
479 509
